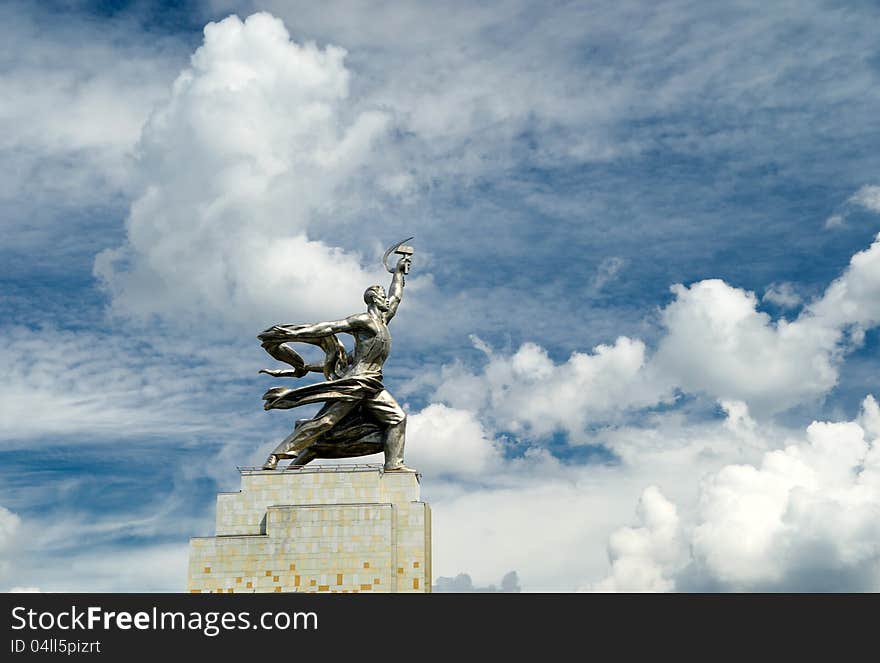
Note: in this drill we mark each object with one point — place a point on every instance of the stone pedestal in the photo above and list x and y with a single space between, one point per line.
323 528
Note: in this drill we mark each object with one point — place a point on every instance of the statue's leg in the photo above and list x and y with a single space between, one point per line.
395 437
304 457
305 434
388 412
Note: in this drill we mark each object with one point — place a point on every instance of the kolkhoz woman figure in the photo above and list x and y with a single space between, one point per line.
359 416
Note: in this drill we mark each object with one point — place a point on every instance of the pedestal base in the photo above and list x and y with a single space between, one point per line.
324 528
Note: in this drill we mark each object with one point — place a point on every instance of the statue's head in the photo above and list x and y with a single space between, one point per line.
375 295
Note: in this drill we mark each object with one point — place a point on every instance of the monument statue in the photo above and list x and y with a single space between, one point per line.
327 528
359 416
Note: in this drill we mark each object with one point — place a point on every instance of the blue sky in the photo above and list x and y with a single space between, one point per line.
168 193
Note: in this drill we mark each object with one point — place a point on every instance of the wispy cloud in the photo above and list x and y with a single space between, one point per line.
9 525
783 295
868 197
76 118
59 383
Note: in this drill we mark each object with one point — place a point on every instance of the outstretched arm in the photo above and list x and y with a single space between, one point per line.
305 369
395 292
312 332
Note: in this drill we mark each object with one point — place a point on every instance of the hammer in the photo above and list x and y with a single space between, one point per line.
405 252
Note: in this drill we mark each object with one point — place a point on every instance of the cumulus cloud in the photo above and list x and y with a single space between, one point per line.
528 392
851 302
254 144
805 518
808 517
444 440
552 520
808 504
643 557
717 342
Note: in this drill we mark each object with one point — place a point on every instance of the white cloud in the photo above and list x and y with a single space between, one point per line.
798 514
643 557
671 441
717 342
255 143
551 520
527 392
851 302
714 342
805 517
444 440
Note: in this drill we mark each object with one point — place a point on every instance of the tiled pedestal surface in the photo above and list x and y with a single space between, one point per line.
327 528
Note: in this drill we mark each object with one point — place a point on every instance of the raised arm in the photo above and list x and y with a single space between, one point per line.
395 292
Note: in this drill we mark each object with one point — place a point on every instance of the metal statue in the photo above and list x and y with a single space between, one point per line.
359 416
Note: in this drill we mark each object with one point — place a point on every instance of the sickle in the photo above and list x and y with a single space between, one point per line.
390 250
